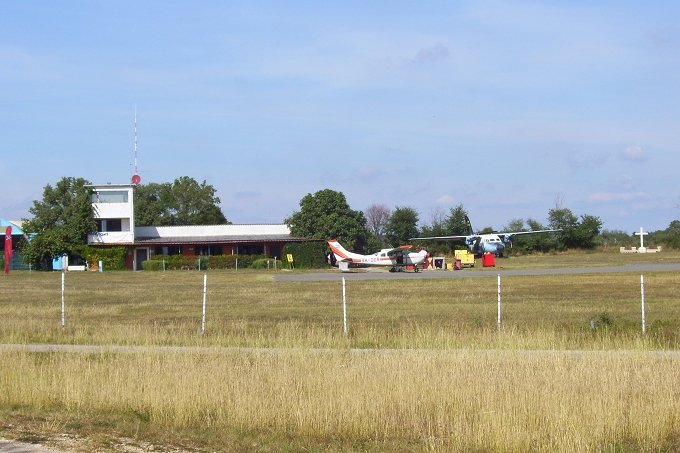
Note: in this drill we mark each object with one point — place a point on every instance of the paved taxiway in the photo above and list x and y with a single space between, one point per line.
382 274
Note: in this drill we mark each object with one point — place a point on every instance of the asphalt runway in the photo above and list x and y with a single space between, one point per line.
382 274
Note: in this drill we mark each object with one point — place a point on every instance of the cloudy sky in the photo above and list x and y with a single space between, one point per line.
508 107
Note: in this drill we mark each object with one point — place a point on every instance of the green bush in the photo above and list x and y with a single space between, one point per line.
268 263
113 258
152 265
172 262
307 255
176 262
230 261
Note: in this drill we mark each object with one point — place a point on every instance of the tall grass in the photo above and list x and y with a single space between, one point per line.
424 366
248 309
402 400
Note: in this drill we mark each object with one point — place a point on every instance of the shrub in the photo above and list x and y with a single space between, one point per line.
113 258
230 261
307 255
176 262
152 265
268 263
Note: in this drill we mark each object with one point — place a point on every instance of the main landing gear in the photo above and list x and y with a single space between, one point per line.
402 269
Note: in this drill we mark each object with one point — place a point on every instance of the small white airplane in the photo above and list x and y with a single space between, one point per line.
484 243
396 258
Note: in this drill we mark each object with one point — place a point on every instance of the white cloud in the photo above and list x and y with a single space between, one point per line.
634 153
445 200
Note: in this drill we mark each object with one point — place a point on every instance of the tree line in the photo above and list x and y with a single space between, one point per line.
64 217
326 214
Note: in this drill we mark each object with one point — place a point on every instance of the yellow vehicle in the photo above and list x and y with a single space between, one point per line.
467 258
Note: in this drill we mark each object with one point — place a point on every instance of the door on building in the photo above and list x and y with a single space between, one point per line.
141 256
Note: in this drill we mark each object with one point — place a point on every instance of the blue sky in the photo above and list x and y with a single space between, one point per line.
509 108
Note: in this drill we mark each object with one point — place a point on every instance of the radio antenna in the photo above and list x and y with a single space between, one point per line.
136 179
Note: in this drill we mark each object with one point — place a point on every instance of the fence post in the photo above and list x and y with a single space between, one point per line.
498 319
642 296
205 288
344 307
63 319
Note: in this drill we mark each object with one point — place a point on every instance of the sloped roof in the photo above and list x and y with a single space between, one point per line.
212 234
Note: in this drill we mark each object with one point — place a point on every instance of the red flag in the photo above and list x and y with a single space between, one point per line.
8 248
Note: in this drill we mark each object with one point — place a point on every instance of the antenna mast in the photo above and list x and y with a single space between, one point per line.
136 179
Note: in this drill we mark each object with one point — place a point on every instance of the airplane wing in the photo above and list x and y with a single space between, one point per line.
401 248
441 238
514 233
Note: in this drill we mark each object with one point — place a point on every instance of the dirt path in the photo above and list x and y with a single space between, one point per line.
10 446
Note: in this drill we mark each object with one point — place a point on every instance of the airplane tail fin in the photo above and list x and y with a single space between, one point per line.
469 226
338 250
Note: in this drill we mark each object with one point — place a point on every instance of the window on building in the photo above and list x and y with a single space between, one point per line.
104 225
113 225
250 249
168 250
110 196
208 250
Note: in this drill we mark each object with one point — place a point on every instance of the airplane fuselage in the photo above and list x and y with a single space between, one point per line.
485 243
382 258
397 258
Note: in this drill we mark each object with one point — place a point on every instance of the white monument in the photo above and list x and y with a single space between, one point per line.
642 249
642 233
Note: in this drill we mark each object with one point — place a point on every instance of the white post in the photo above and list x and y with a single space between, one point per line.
63 322
498 319
205 289
274 263
344 307
236 263
642 294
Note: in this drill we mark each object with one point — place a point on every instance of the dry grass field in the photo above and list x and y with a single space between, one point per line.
423 367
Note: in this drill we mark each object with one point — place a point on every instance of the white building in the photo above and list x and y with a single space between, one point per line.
114 212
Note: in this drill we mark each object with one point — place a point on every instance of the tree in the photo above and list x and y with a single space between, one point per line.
452 224
457 222
182 202
377 216
402 225
150 204
672 234
575 233
326 215
528 243
60 223
615 238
